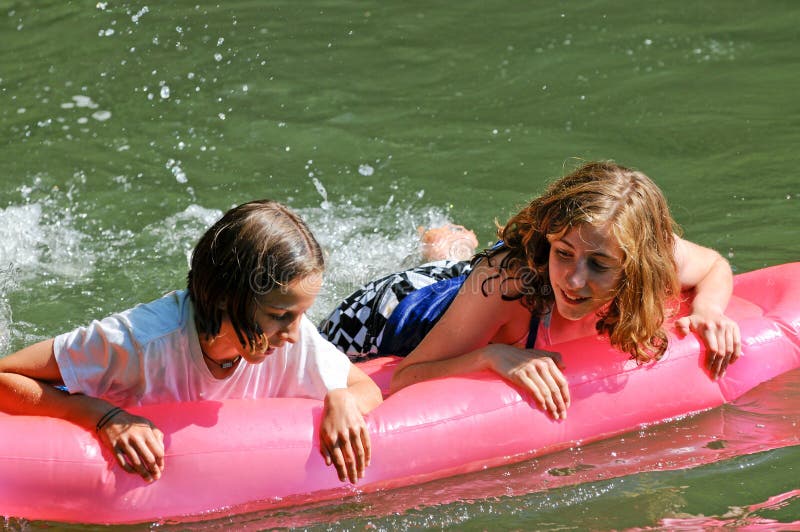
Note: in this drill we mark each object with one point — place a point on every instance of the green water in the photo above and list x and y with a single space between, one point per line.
128 127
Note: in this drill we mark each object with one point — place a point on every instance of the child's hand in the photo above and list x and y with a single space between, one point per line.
535 371
136 443
343 437
719 333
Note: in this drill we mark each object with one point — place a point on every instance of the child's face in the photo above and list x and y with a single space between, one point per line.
585 267
278 314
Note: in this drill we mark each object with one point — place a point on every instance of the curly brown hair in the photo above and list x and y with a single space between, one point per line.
600 193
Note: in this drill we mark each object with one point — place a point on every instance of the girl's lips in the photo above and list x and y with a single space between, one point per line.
574 300
258 357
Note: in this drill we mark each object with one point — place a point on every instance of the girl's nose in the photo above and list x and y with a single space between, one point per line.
290 332
577 277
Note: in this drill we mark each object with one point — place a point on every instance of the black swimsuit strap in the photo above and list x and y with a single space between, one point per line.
533 330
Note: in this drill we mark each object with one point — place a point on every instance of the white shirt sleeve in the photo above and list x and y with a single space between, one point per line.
101 360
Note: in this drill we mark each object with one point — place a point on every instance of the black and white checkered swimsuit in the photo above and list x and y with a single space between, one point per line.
356 326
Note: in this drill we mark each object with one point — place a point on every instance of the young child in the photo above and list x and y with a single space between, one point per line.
596 253
238 331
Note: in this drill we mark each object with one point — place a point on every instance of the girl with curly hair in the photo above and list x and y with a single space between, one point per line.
597 253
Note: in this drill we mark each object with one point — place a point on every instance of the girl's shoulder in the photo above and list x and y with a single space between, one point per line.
163 316
499 274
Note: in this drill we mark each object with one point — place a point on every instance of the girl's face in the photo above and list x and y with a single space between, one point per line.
585 267
278 314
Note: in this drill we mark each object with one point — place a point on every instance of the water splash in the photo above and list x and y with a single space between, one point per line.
33 244
6 317
366 170
177 234
364 242
45 244
322 192
36 246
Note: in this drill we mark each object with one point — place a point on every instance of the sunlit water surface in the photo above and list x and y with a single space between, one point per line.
129 127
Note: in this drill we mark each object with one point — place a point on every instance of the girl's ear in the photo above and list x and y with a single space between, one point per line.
222 304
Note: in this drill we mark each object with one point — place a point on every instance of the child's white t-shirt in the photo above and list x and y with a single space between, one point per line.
151 354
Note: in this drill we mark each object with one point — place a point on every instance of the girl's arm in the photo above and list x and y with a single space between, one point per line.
459 343
711 277
27 380
344 439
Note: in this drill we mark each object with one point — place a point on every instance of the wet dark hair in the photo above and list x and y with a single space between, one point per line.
253 249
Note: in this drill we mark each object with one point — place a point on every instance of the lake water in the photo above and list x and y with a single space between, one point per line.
128 127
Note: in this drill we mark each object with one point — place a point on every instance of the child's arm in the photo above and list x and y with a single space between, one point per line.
344 439
711 277
26 387
462 342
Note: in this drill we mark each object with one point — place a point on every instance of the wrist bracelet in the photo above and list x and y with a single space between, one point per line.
106 418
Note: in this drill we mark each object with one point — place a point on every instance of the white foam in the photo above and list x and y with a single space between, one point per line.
36 245
32 244
181 231
84 101
5 323
361 242
101 116
21 234
364 243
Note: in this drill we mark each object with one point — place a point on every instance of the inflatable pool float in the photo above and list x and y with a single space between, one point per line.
238 456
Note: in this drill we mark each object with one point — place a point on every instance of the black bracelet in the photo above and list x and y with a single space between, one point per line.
106 418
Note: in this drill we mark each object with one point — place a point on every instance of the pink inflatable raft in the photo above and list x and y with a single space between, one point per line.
239 456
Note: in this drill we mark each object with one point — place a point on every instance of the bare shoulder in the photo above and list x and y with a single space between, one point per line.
485 305
495 280
694 261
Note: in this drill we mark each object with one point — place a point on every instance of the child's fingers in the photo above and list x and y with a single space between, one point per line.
717 365
337 459
340 454
122 460
560 381
553 384
737 343
135 462
560 398
326 456
147 451
159 441
556 399
349 460
145 460
358 450
730 349
137 445
683 325
325 450
154 455
710 338
366 443
541 392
